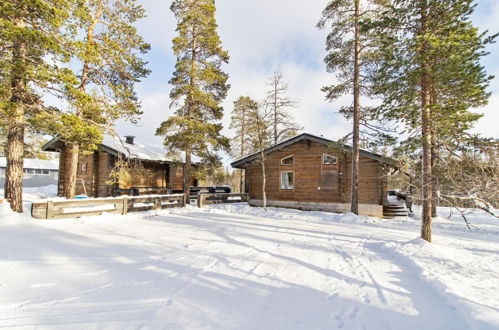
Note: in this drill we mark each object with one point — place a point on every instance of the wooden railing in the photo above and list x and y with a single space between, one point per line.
75 208
222 198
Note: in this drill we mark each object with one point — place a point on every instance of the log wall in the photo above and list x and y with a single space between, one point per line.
94 172
309 173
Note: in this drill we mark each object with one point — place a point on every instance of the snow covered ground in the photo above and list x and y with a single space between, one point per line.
236 267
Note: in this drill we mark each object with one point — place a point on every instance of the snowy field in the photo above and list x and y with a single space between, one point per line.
236 267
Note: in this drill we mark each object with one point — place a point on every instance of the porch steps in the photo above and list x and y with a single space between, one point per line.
394 210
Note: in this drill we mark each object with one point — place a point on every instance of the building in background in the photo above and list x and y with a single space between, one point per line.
149 171
37 172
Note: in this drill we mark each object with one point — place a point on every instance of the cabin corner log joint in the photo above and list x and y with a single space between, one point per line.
163 175
304 173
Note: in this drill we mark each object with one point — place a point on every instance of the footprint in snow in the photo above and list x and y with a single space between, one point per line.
354 313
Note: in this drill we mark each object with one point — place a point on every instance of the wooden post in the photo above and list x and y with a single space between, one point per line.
50 205
125 206
157 201
200 200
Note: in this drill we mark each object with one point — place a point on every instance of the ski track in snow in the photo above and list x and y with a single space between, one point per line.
235 267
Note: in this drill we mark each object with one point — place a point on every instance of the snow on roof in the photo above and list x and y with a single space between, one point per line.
135 150
33 163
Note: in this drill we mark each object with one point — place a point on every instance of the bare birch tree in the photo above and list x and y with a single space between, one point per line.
278 103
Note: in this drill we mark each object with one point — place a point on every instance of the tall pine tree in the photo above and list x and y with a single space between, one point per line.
431 76
31 44
107 50
352 51
240 122
199 85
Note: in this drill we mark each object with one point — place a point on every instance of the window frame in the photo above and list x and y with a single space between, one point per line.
83 169
327 155
281 182
292 161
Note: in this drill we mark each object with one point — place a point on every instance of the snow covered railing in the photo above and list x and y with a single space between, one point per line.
74 208
222 198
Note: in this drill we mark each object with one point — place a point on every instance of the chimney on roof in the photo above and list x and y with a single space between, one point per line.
129 139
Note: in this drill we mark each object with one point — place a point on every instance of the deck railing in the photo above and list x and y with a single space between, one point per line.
60 209
222 198
75 208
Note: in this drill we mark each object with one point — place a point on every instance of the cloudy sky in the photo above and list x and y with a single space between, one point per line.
263 36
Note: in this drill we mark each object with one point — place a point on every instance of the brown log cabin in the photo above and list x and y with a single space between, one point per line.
305 173
151 173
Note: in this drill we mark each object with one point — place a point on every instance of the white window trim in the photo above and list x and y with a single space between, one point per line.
290 156
280 180
324 162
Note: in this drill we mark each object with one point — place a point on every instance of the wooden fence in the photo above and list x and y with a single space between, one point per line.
94 206
207 198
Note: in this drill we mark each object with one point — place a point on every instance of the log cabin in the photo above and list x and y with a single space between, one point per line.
306 172
148 171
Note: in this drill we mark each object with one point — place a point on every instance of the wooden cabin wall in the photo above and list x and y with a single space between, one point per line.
93 173
307 168
95 170
104 162
372 183
177 177
85 171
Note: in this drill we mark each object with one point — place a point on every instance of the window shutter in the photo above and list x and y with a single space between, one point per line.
329 180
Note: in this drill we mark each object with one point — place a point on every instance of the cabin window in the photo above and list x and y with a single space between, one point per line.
287 161
329 180
287 180
84 168
329 160
29 171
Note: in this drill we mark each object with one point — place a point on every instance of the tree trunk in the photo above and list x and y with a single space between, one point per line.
71 161
15 135
243 133
187 177
426 131
71 165
264 180
275 113
241 181
434 200
356 115
14 174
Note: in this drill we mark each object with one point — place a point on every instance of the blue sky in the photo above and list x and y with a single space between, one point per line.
264 36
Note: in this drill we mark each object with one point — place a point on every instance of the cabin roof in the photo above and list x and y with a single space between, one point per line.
34 163
117 146
240 163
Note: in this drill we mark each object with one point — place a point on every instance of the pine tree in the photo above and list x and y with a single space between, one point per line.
430 77
108 52
277 101
352 51
199 86
31 43
240 123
